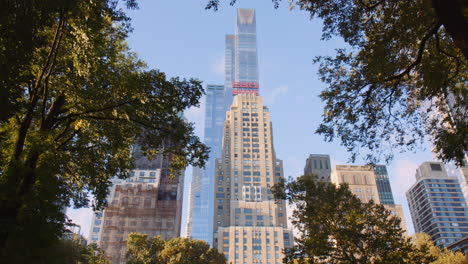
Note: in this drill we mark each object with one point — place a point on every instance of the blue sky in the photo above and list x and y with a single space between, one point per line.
183 39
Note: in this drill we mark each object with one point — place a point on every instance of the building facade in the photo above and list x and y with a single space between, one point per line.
437 205
149 202
319 165
364 182
249 227
200 220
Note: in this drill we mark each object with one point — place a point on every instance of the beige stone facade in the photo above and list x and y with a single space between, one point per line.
249 227
362 183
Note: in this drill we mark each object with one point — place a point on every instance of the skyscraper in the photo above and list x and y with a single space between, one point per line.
319 165
249 227
241 76
383 185
437 204
200 220
149 202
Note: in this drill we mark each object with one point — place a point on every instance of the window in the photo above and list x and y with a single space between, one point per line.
436 167
96 229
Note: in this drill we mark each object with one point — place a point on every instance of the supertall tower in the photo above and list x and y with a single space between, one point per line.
249 227
241 76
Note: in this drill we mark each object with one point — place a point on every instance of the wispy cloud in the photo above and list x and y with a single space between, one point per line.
272 95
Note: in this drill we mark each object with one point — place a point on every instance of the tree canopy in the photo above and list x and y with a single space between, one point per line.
74 100
334 226
141 250
402 76
430 253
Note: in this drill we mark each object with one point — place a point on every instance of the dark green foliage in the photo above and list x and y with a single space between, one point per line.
335 226
74 99
141 250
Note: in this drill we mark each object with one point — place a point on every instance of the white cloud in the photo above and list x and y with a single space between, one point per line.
82 217
272 95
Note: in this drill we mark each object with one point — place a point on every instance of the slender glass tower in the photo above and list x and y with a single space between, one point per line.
241 76
200 220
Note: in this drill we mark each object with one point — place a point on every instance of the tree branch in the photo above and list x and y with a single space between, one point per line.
422 46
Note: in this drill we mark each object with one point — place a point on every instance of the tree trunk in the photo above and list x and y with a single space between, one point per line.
451 16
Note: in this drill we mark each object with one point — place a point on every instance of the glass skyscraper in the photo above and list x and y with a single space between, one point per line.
200 220
241 76
383 184
437 205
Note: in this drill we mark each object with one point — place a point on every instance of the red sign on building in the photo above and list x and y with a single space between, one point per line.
252 85
245 88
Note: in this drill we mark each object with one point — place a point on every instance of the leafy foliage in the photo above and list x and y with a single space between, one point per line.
429 253
336 227
402 77
66 251
141 250
74 100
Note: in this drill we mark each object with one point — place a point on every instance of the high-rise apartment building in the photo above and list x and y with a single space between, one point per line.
437 205
319 165
249 227
364 182
149 202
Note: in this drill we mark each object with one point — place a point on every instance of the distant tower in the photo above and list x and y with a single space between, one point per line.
249 226
437 204
383 184
319 165
368 185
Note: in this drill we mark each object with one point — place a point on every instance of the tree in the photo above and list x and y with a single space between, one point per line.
68 251
336 227
141 250
406 61
74 100
433 254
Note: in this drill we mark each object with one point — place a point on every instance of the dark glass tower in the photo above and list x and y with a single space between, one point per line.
383 184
